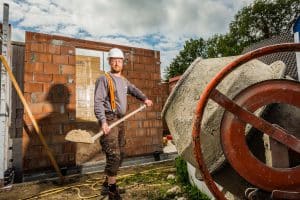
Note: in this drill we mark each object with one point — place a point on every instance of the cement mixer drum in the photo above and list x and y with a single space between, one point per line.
281 182
180 107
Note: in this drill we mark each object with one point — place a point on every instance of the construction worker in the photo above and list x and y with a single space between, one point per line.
110 103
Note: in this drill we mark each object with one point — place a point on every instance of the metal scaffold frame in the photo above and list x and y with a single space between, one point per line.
5 102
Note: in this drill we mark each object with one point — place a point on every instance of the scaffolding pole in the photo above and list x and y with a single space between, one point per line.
5 103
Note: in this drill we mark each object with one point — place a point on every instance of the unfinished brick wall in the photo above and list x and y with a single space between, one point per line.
144 130
50 89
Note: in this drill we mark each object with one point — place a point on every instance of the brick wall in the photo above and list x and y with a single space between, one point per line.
144 130
49 85
172 82
49 88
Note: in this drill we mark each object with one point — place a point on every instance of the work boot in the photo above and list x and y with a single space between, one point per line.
105 188
114 193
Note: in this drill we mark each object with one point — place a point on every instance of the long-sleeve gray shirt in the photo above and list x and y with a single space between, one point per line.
122 88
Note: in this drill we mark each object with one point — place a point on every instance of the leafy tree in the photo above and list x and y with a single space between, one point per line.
263 19
258 21
192 49
221 45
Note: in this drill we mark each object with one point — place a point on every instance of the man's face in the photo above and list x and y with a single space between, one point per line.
116 64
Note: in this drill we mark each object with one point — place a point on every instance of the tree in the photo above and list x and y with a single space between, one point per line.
192 49
221 45
258 21
263 19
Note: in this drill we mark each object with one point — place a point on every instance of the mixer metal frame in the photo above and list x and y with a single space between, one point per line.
262 94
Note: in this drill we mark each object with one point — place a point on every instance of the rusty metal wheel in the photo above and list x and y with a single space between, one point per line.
245 116
234 141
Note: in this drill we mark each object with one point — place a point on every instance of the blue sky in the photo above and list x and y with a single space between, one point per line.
162 25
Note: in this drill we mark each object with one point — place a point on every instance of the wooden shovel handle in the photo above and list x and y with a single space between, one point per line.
119 121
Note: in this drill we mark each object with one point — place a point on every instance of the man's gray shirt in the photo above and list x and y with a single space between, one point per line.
122 88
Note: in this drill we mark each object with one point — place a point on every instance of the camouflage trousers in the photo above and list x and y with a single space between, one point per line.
113 146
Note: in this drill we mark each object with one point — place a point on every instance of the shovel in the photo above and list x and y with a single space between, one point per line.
83 136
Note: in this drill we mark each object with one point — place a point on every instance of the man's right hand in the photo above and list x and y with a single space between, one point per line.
105 128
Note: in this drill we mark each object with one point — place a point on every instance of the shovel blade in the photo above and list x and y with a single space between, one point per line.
79 136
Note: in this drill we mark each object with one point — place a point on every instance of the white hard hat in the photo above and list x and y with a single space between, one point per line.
115 53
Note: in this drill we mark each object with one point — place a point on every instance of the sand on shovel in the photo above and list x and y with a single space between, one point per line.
79 135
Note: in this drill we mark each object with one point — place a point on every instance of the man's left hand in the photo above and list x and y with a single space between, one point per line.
148 102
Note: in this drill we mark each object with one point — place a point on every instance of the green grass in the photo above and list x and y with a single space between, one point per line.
158 176
193 193
150 177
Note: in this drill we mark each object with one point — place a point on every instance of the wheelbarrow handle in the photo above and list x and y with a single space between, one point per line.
95 137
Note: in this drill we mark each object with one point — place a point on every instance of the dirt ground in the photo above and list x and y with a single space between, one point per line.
140 182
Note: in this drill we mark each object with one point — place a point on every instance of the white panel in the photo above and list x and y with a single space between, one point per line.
297 40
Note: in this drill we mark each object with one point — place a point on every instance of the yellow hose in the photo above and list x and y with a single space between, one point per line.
91 184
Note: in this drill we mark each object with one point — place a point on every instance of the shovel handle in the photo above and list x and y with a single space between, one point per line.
95 137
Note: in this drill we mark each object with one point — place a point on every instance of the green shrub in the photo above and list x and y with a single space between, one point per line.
182 176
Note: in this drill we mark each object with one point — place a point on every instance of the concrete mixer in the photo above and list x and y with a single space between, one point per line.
213 110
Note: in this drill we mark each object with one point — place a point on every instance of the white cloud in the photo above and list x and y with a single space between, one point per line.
128 42
171 22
